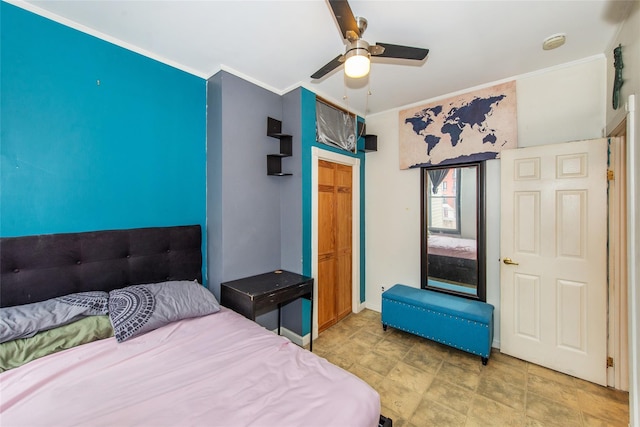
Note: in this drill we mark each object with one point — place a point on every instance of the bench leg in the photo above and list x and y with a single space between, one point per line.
384 327
485 360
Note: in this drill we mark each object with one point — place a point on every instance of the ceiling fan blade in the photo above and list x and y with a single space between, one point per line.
402 52
330 66
346 21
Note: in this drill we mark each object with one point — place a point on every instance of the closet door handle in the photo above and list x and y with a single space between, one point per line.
509 261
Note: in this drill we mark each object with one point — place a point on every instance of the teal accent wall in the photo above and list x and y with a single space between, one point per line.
94 136
362 156
308 114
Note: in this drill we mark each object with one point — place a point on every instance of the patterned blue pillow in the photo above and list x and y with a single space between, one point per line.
24 321
137 309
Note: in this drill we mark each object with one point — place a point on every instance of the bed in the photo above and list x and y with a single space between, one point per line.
210 369
452 258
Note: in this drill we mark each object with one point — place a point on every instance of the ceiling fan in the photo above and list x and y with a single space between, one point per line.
357 56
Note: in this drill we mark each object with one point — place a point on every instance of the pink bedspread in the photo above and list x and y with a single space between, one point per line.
217 370
451 246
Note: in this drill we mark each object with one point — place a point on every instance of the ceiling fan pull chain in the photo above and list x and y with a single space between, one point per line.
366 108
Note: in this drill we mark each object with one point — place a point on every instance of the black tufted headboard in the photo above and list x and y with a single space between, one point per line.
36 268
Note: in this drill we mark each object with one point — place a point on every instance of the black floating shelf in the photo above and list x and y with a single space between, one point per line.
274 127
274 165
274 161
286 145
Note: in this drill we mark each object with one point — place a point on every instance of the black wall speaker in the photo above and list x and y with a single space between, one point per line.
370 143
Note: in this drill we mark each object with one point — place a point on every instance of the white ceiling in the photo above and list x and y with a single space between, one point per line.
279 44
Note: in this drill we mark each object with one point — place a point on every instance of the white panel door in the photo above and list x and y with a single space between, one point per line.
553 247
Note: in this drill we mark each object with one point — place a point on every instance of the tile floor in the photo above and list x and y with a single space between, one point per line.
422 383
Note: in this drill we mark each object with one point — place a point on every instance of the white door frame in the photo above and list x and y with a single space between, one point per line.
318 154
632 254
617 346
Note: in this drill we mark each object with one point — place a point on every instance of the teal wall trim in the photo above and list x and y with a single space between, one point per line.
363 254
94 136
308 114
335 149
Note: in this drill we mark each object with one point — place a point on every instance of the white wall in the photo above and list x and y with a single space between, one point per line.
467 189
392 214
555 105
629 38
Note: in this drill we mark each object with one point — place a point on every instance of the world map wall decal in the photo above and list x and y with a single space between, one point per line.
466 128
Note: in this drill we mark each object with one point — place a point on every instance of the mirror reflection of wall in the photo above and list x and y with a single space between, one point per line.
468 199
452 230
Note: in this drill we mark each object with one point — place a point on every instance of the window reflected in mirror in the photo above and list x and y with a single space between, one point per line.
453 230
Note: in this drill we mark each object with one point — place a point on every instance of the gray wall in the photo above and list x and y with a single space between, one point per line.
243 203
291 205
254 220
214 184
291 187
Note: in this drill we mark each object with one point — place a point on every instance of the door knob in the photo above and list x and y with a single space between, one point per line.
509 261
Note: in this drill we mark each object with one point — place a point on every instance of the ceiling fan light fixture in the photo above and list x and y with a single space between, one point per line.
356 60
357 63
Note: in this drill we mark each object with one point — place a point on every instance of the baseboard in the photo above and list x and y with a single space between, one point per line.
375 307
293 337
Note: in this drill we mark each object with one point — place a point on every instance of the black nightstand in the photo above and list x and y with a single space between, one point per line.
255 295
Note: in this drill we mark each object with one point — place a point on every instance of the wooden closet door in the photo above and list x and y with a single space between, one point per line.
334 243
343 240
326 245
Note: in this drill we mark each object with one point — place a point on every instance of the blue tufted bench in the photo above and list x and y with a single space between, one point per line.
455 321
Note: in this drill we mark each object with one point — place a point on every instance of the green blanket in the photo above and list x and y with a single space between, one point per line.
20 351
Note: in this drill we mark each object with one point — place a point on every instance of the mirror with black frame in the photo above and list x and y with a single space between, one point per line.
453 259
